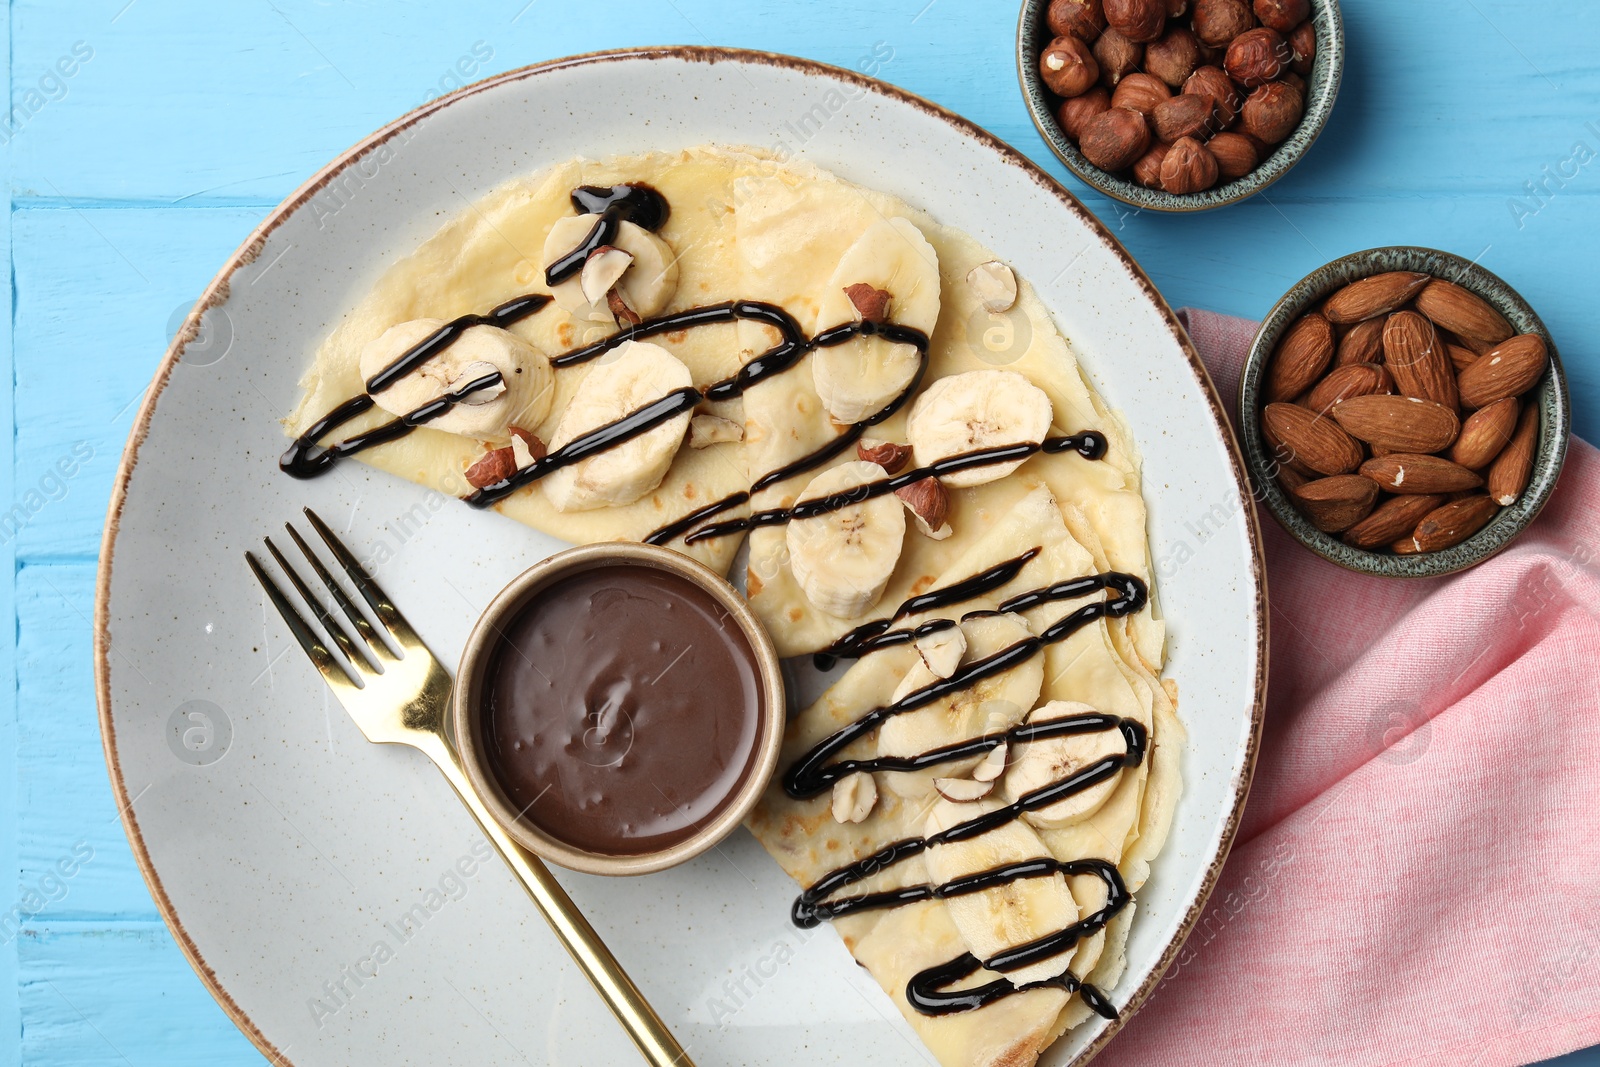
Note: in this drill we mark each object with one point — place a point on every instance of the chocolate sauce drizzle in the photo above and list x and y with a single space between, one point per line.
634 202
305 460
792 346
1090 444
870 636
813 773
644 206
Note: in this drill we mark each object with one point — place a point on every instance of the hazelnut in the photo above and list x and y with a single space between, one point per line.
1303 43
1272 112
1082 19
1141 93
1177 8
1174 56
1078 110
1258 57
886 454
1113 140
1188 168
495 465
1068 67
1137 20
1215 83
1283 15
1235 154
871 303
1189 115
1118 57
1147 170
525 446
929 501
1216 22
1291 78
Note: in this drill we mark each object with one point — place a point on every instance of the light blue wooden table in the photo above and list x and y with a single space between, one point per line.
146 138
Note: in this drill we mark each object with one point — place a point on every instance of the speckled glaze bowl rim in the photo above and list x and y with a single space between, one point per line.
476 657
1327 74
1555 424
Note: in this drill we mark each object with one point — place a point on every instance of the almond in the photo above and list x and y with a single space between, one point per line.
1284 459
1411 474
1485 433
1361 343
886 454
1337 503
1315 441
1462 313
1374 296
1302 356
1402 423
1394 518
1461 357
1450 524
1416 359
1406 546
1508 477
1290 478
1342 383
1509 369
495 465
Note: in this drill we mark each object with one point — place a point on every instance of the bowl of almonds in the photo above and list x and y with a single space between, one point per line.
1403 412
1180 105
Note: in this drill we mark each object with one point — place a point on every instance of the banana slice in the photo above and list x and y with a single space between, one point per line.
987 706
975 410
857 378
646 285
636 374
522 399
842 560
1006 916
1037 764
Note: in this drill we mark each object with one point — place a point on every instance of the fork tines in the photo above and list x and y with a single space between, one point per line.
366 656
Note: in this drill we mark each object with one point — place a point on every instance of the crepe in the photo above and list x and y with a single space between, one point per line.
1128 829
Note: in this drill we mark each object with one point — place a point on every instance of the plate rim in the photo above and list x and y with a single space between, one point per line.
217 293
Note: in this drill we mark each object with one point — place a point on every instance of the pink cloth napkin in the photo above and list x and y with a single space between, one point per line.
1417 878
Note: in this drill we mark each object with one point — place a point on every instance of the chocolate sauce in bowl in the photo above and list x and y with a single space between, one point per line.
621 710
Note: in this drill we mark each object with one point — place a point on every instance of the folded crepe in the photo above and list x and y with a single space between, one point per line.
1097 667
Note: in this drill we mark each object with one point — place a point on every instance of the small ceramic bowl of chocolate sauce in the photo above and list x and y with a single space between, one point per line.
619 708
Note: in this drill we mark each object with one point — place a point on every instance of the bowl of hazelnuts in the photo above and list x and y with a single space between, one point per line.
1403 413
1180 105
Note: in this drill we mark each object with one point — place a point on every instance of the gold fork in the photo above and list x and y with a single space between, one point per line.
404 699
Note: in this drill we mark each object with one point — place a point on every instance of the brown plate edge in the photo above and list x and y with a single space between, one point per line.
216 294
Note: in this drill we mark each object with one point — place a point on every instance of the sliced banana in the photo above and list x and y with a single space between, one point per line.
1037 764
856 379
646 283
636 374
842 560
986 706
523 398
1006 916
976 410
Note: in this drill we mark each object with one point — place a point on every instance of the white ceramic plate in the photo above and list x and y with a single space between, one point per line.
284 850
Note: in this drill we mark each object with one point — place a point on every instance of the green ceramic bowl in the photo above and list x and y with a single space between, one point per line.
1555 421
1321 89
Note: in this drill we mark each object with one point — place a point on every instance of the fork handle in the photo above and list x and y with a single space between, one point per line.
650 1035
